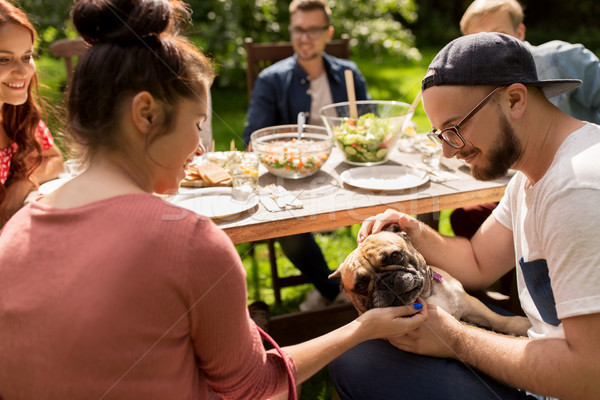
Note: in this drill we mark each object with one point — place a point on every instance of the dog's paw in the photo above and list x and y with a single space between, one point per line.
518 326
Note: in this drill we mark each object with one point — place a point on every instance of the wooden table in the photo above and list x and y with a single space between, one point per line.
329 203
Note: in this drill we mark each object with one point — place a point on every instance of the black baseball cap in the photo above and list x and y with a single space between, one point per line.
490 59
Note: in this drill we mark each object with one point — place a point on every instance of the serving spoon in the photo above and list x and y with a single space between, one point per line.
301 121
351 94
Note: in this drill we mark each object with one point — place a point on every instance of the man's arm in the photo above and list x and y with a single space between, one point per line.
567 60
262 111
567 368
578 62
474 263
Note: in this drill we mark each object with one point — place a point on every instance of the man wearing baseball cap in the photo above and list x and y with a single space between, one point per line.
488 107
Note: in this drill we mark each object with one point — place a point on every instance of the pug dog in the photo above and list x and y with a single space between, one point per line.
386 270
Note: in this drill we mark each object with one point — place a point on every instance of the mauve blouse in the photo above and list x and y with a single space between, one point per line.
127 298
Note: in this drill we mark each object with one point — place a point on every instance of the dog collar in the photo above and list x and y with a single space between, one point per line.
437 276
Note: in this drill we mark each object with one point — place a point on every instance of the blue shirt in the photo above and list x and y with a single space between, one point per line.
557 59
281 91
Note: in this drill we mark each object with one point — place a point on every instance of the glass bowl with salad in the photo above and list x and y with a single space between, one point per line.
288 153
368 138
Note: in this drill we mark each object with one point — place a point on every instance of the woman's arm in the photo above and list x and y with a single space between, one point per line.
51 166
14 198
314 354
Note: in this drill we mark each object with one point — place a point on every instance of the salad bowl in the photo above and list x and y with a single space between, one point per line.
367 138
289 153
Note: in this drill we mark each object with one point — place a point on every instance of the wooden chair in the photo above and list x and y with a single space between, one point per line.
278 282
68 49
260 56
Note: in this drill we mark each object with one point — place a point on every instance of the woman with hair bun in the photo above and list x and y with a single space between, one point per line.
135 298
28 155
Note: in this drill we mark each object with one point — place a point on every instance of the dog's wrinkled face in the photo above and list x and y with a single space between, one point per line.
385 270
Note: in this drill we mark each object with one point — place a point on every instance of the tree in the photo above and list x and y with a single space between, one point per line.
50 18
219 28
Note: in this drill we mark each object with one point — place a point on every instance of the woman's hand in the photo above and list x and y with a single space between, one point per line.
375 224
14 198
51 165
392 321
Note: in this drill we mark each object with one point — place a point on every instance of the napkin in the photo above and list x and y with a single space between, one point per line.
277 198
435 174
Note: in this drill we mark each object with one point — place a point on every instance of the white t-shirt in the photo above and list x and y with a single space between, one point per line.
556 229
320 94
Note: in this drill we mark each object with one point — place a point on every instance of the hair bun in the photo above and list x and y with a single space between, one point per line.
120 21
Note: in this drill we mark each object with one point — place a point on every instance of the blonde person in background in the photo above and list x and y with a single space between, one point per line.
28 156
553 60
108 291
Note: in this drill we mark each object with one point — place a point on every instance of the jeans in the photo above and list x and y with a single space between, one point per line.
304 252
377 370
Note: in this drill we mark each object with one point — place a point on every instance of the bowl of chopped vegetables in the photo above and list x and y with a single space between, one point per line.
288 153
368 137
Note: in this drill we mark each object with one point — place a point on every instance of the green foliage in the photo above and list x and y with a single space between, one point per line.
50 18
373 26
52 76
375 29
220 26
546 20
575 22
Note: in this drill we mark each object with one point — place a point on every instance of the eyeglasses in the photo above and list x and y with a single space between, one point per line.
311 33
451 136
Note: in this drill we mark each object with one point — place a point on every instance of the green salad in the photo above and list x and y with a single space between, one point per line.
364 140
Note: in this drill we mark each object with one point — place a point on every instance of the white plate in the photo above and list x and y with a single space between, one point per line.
51 186
213 202
384 177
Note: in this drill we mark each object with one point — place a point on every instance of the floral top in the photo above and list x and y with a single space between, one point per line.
42 135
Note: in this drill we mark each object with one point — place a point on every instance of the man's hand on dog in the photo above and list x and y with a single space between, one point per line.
435 338
378 222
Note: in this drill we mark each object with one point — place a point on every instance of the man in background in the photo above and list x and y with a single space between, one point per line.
304 82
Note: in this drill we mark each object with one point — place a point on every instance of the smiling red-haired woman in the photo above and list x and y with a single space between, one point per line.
28 155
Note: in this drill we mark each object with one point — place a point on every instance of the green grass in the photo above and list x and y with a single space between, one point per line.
390 80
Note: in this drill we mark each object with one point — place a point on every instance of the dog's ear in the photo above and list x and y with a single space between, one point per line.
396 229
393 228
337 274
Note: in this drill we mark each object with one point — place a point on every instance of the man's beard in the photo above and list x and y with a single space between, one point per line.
310 57
502 156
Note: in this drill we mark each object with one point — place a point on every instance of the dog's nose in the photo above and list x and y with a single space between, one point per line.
396 288
395 257
396 281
